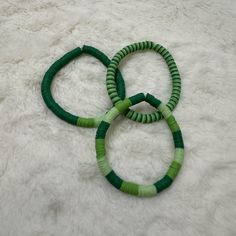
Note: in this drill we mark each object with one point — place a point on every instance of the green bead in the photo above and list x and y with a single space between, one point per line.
130 188
102 129
173 170
100 148
122 106
115 180
164 183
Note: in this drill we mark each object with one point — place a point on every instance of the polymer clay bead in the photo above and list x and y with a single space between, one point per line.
58 65
104 165
176 80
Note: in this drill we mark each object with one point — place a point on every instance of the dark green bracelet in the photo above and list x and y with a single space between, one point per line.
111 176
52 71
176 81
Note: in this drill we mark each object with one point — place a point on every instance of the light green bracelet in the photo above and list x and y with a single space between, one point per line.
106 169
176 81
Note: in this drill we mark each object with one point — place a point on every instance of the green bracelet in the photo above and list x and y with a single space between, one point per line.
52 71
176 81
104 166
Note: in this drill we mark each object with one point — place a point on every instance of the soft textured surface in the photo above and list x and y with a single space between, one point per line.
49 180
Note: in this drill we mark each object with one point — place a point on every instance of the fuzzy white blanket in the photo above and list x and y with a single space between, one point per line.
49 180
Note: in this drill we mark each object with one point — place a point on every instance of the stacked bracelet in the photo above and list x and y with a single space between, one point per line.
116 90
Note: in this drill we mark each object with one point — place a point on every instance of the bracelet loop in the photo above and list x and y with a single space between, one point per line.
59 64
176 81
106 169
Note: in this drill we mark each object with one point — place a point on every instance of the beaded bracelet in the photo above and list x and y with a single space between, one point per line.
104 166
176 81
59 64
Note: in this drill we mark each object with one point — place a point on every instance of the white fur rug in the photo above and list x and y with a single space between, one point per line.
49 180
